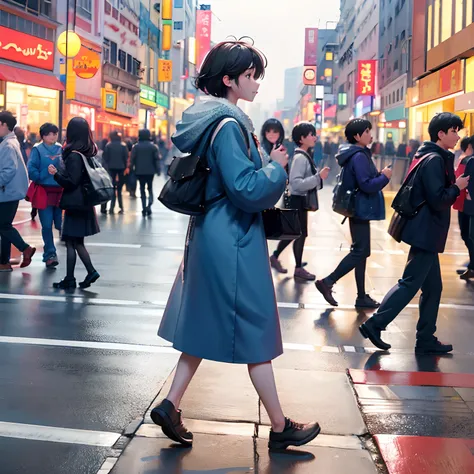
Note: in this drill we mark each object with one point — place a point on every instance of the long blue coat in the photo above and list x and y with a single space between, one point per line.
222 305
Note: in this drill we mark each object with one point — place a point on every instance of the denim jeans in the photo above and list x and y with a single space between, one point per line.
49 216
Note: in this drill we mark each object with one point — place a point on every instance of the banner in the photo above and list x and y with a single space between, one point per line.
203 35
311 47
366 71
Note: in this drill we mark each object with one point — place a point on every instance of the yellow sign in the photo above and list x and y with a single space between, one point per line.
165 70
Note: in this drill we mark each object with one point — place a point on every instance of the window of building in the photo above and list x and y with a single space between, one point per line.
401 92
395 66
113 53
398 95
402 35
84 8
447 20
178 3
469 12
178 25
329 56
396 41
389 22
328 72
436 29
429 30
382 102
458 15
136 67
129 63
106 51
122 59
393 97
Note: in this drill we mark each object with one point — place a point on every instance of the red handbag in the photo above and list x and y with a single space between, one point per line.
37 195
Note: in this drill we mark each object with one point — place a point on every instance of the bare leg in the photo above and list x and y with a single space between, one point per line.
264 382
185 371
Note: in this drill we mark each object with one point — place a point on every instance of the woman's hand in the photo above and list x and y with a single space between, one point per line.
52 169
324 173
280 156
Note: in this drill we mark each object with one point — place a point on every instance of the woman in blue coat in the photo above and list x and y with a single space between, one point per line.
222 305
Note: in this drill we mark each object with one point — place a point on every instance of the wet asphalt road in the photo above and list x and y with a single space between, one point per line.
97 366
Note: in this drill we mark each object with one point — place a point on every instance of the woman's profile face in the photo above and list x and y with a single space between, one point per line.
247 89
272 136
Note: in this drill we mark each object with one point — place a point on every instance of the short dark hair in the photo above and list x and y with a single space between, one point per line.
8 118
48 128
465 142
444 122
302 130
356 127
229 58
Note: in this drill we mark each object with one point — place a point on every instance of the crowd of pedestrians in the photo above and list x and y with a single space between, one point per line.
235 320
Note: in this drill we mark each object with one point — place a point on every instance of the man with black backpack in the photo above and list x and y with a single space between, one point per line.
433 191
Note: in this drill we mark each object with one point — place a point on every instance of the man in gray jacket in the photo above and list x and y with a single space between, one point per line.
13 188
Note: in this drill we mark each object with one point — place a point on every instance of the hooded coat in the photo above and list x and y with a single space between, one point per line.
434 184
222 305
361 173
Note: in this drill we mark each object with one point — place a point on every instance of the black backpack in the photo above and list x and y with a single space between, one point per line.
185 191
343 201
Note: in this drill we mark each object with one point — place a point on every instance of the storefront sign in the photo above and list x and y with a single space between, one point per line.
147 95
26 49
109 99
86 64
162 100
87 113
203 35
366 71
165 70
311 47
446 81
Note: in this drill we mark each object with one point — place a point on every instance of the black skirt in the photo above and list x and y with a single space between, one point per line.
79 224
299 202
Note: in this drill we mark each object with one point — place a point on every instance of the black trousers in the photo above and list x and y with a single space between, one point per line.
422 271
9 235
118 180
464 226
357 258
146 181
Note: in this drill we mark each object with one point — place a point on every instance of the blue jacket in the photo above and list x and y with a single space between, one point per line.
41 157
13 175
360 173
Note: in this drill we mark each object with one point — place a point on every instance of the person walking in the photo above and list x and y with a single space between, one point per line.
145 163
13 188
434 190
45 153
115 157
222 305
464 204
80 219
304 177
359 173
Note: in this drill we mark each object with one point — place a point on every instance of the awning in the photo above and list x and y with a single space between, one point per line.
23 76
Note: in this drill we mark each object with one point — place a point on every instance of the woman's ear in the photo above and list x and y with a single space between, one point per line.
227 81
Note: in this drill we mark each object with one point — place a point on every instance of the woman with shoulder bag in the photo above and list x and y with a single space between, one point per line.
304 178
80 219
222 305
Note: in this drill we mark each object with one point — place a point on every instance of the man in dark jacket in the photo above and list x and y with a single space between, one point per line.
145 163
115 158
359 172
426 233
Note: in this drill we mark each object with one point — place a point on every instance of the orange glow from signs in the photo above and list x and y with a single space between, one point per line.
86 64
366 77
26 49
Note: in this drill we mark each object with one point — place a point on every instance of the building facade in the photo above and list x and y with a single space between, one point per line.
29 87
442 64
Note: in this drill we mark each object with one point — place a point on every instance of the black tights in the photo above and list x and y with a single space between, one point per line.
77 246
298 247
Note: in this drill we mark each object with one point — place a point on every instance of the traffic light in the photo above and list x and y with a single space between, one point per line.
167 24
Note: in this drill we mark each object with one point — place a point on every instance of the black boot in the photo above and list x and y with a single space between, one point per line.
90 278
166 416
294 434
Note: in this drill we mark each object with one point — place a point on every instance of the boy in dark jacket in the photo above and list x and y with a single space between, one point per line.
359 173
426 233
464 203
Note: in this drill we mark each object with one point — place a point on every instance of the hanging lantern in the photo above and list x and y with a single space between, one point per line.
72 41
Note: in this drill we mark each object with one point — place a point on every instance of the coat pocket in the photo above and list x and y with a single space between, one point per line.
250 232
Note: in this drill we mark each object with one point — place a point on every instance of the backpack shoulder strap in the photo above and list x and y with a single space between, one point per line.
227 120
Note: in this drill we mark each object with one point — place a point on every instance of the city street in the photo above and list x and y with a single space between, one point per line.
80 371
